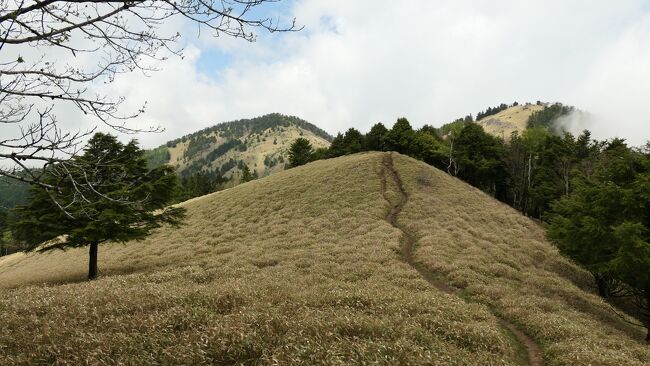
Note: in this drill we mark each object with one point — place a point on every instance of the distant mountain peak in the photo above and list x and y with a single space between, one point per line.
259 143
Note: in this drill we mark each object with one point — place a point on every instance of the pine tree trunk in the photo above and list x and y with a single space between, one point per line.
530 168
92 263
603 288
647 323
566 182
451 153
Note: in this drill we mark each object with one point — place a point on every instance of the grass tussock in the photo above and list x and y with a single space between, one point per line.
297 268
502 259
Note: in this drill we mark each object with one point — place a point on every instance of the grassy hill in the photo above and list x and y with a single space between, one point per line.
261 143
512 119
370 258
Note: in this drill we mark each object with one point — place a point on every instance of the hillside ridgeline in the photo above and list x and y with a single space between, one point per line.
260 143
341 261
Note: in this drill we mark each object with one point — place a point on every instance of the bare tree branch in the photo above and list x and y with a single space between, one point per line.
121 37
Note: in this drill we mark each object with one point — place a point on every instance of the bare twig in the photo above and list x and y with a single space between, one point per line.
121 36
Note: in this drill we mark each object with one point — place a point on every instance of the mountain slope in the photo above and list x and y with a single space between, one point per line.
260 143
514 118
315 265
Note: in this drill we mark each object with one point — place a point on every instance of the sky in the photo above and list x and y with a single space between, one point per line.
360 62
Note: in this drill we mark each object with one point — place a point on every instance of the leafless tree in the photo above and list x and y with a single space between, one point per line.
41 42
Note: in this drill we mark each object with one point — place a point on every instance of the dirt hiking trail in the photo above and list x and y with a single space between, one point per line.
409 242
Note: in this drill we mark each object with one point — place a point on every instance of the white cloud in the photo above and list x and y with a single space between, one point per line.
363 61
617 87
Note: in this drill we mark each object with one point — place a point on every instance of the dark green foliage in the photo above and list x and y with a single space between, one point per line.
337 147
376 138
547 184
125 202
491 111
4 215
224 148
547 116
618 164
197 185
480 159
319 154
353 141
300 152
603 224
246 175
401 137
12 193
198 143
431 131
198 166
227 166
270 161
582 225
157 157
430 147
457 125
543 167
604 227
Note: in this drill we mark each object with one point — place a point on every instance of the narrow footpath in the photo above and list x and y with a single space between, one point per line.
408 247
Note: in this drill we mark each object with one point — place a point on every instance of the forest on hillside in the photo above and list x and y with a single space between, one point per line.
239 128
592 196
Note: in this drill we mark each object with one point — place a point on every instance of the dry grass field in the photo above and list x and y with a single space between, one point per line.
499 258
504 123
304 267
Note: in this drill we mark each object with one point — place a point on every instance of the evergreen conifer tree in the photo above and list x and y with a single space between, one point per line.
110 195
376 138
246 175
401 137
300 152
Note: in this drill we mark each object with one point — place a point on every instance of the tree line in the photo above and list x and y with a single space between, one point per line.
592 196
187 186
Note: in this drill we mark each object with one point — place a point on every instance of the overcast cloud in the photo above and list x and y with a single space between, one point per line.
364 61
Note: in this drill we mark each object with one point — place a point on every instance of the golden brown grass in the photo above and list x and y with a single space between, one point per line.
504 123
298 268
302 268
501 258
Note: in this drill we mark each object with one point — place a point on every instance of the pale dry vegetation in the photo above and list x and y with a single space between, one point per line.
297 268
302 268
271 142
504 123
500 258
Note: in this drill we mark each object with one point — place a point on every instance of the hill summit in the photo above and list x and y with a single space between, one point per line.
514 118
505 119
373 258
260 143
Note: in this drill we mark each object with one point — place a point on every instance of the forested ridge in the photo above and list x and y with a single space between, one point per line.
239 128
592 196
